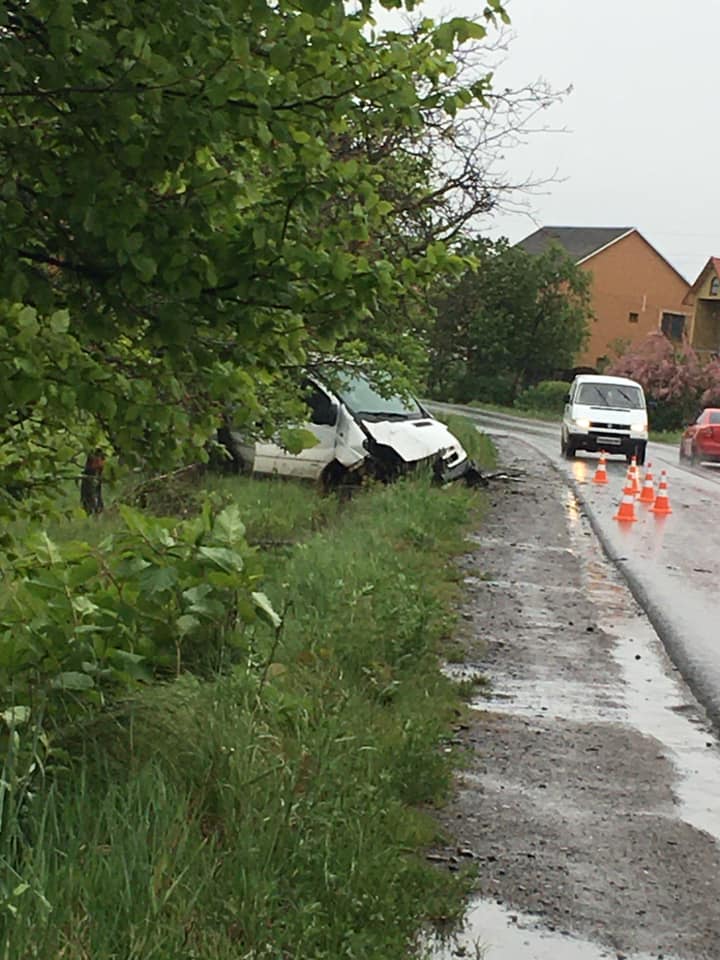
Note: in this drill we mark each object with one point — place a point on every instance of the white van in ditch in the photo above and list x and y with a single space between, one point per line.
605 413
357 430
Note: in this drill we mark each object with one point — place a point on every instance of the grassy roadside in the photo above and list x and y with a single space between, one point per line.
276 811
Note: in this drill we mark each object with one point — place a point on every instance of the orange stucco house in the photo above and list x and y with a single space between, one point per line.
703 303
635 291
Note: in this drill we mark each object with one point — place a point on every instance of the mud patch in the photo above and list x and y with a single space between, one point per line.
590 801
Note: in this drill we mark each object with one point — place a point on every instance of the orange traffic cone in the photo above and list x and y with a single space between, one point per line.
662 500
601 472
647 494
626 510
628 478
634 477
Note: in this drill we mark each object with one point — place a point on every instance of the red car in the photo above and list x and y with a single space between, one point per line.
701 440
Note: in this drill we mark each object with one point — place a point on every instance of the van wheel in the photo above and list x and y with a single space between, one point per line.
640 456
570 450
335 478
332 476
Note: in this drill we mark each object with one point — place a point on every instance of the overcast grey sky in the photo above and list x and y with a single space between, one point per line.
643 121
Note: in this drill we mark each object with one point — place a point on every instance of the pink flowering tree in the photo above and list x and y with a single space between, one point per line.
711 396
677 383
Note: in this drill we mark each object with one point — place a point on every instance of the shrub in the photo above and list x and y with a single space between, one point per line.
547 395
492 388
81 622
711 396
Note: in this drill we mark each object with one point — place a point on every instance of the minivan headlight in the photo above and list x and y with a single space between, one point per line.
640 427
582 423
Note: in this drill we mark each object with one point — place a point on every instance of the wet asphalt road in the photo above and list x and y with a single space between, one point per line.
670 562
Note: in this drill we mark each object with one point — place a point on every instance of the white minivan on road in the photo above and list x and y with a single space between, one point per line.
605 414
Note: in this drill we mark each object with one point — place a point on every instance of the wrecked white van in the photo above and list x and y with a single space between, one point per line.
358 431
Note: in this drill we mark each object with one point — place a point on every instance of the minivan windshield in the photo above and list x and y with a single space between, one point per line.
364 400
614 396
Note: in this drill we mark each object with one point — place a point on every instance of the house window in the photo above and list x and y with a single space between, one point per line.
673 325
714 286
633 317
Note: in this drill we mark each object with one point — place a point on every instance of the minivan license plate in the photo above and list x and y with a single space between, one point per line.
614 440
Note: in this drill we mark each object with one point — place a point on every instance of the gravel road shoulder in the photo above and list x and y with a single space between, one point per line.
591 794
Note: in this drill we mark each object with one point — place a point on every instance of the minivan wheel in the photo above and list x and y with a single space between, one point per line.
640 454
570 450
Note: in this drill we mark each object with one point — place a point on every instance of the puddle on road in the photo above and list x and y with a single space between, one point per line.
492 932
651 698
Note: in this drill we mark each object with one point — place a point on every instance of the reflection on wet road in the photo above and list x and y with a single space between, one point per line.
645 693
654 702
492 932
670 562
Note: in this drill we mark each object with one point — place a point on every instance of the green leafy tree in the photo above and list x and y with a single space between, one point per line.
512 319
193 197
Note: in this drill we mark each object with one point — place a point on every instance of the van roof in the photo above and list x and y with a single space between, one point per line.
599 378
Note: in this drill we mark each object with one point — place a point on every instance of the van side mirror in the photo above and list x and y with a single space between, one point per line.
567 398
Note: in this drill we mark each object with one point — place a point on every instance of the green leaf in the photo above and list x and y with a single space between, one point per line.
145 265
227 527
281 56
131 664
228 560
16 716
186 624
60 321
27 318
158 579
265 610
297 439
72 680
84 606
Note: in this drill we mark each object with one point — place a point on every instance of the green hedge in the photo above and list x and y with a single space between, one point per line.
547 395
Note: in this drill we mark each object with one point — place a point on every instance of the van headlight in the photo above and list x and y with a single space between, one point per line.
582 423
639 427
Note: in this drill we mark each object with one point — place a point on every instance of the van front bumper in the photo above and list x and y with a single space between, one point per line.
596 441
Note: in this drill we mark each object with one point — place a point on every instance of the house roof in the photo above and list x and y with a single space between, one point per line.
582 243
579 242
712 264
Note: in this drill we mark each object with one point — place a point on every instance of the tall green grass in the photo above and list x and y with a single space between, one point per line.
279 811
478 446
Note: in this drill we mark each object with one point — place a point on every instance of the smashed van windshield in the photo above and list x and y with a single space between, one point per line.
362 398
612 395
